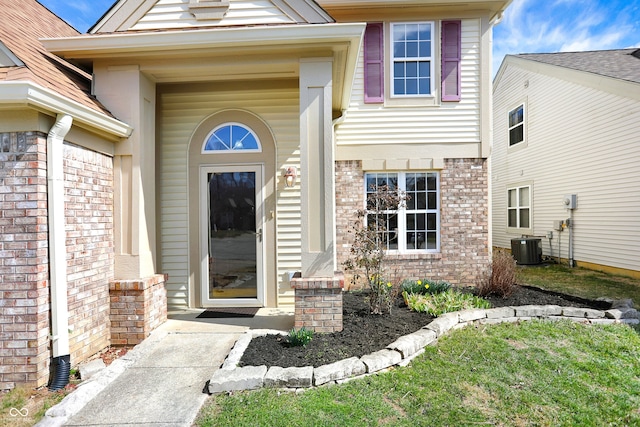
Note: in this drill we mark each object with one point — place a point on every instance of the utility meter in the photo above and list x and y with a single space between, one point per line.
570 201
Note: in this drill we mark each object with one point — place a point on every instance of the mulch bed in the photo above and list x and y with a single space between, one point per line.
365 333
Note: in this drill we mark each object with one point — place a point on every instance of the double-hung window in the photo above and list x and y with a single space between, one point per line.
516 125
519 207
415 55
412 51
415 224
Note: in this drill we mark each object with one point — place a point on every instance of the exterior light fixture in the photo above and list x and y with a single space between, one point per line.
290 176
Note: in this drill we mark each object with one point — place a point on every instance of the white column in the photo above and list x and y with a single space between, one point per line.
317 168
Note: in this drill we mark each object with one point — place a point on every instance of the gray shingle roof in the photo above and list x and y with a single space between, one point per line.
623 64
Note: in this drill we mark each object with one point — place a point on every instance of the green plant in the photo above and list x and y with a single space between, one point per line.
536 373
300 337
424 286
500 280
371 236
444 302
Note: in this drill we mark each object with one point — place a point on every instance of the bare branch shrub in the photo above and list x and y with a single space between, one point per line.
367 253
500 280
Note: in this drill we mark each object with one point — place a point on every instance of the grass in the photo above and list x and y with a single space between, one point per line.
530 374
575 375
580 282
23 406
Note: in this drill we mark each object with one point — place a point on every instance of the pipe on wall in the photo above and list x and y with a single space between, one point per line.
57 237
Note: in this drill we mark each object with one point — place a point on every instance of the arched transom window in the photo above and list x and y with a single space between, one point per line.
231 137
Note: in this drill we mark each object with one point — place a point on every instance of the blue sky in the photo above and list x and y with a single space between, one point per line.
529 26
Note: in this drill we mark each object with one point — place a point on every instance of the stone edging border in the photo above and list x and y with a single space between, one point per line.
230 377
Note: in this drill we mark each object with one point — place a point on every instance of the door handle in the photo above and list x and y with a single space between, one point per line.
259 234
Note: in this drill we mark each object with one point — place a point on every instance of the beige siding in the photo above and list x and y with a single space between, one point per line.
579 140
168 14
447 123
179 114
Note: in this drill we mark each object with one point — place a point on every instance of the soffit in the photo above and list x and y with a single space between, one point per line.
452 8
252 53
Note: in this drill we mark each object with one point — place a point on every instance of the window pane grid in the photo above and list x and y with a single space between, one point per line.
417 227
412 54
516 125
518 207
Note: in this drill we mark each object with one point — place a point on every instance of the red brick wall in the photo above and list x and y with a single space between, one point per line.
464 254
24 287
88 180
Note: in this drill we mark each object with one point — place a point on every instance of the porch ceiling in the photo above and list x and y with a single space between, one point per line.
254 53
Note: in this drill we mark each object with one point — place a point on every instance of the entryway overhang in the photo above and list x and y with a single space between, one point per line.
246 53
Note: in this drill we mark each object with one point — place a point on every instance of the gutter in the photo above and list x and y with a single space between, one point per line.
43 99
58 251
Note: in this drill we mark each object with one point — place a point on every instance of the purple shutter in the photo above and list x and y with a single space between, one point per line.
451 55
373 63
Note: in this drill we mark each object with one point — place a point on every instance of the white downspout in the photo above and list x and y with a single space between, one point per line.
57 243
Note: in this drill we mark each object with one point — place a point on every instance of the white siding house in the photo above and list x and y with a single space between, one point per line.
336 93
569 124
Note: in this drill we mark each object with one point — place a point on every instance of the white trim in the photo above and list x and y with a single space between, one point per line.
518 229
258 169
41 98
231 150
285 35
418 59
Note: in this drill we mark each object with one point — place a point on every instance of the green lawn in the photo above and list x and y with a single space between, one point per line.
580 282
530 374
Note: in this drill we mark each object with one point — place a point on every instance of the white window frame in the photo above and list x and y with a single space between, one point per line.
522 123
431 59
231 149
519 207
402 211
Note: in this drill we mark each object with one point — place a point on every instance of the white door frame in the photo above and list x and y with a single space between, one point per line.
259 301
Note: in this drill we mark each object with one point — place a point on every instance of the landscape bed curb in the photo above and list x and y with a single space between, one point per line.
230 377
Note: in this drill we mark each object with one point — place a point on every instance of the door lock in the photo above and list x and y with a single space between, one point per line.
259 235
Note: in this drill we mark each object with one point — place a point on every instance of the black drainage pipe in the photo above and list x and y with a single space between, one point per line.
61 366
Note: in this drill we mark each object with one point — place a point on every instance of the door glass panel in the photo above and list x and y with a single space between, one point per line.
232 235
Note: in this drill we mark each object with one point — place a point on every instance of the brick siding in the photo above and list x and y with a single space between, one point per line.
88 181
464 251
318 302
24 286
137 308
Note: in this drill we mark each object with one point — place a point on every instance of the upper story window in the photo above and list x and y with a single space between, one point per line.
519 207
230 137
415 225
412 60
516 125
412 51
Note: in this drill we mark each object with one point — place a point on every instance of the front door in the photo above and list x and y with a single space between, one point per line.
232 237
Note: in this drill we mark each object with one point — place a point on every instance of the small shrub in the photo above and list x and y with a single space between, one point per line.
444 302
300 337
501 279
424 286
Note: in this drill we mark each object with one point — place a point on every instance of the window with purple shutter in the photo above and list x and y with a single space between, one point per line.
373 63
451 55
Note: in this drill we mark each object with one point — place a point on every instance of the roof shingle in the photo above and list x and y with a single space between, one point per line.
22 24
623 64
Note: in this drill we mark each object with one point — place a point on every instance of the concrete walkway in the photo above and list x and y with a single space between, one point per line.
161 382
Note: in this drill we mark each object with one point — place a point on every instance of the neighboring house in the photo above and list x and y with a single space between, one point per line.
568 124
247 133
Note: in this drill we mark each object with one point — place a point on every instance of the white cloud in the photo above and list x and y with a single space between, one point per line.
531 26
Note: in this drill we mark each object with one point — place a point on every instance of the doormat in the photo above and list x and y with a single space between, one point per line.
227 312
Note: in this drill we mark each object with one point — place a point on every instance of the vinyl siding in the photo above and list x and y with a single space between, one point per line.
446 123
579 140
167 14
179 114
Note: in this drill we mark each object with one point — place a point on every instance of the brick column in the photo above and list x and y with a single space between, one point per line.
137 308
318 302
